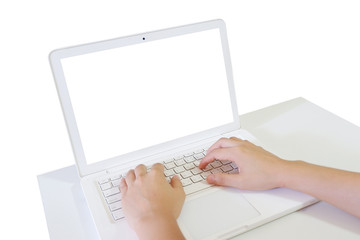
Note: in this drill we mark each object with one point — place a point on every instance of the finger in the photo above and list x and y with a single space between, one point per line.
140 170
219 143
130 177
224 179
175 182
157 168
221 154
123 187
178 187
236 139
225 143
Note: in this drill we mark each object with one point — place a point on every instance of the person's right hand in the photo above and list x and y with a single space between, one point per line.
147 196
258 168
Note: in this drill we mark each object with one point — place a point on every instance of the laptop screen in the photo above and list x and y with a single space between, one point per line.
132 97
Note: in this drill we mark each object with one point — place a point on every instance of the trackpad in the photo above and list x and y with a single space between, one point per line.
215 213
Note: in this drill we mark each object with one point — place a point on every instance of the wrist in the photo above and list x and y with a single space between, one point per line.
157 226
152 218
284 169
288 172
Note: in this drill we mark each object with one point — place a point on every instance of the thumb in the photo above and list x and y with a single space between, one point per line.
223 179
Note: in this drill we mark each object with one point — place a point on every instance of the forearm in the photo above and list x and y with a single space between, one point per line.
159 228
337 187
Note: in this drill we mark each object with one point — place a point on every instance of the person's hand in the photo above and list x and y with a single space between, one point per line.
258 169
147 198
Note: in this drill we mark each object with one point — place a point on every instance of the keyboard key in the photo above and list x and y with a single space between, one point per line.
116 183
205 174
189 159
208 168
189 166
216 170
234 171
179 169
192 188
199 156
115 206
186 182
197 163
105 186
113 198
180 162
111 191
227 168
233 165
196 178
196 171
115 177
118 214
169 173
170 165
216 164
226 162
186 174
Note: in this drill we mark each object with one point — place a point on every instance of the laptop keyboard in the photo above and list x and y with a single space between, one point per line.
185 166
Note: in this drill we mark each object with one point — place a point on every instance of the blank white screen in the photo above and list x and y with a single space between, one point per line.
133 97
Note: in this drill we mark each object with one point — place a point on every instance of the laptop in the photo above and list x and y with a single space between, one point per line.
162 96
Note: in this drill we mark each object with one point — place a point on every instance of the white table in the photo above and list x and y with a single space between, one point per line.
296 129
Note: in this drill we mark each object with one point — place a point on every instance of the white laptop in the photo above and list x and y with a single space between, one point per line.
162 96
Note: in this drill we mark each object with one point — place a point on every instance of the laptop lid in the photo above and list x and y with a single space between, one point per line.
127 98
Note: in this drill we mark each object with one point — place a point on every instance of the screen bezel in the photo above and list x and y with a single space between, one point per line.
55 61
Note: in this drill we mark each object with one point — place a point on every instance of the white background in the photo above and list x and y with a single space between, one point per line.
280 50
